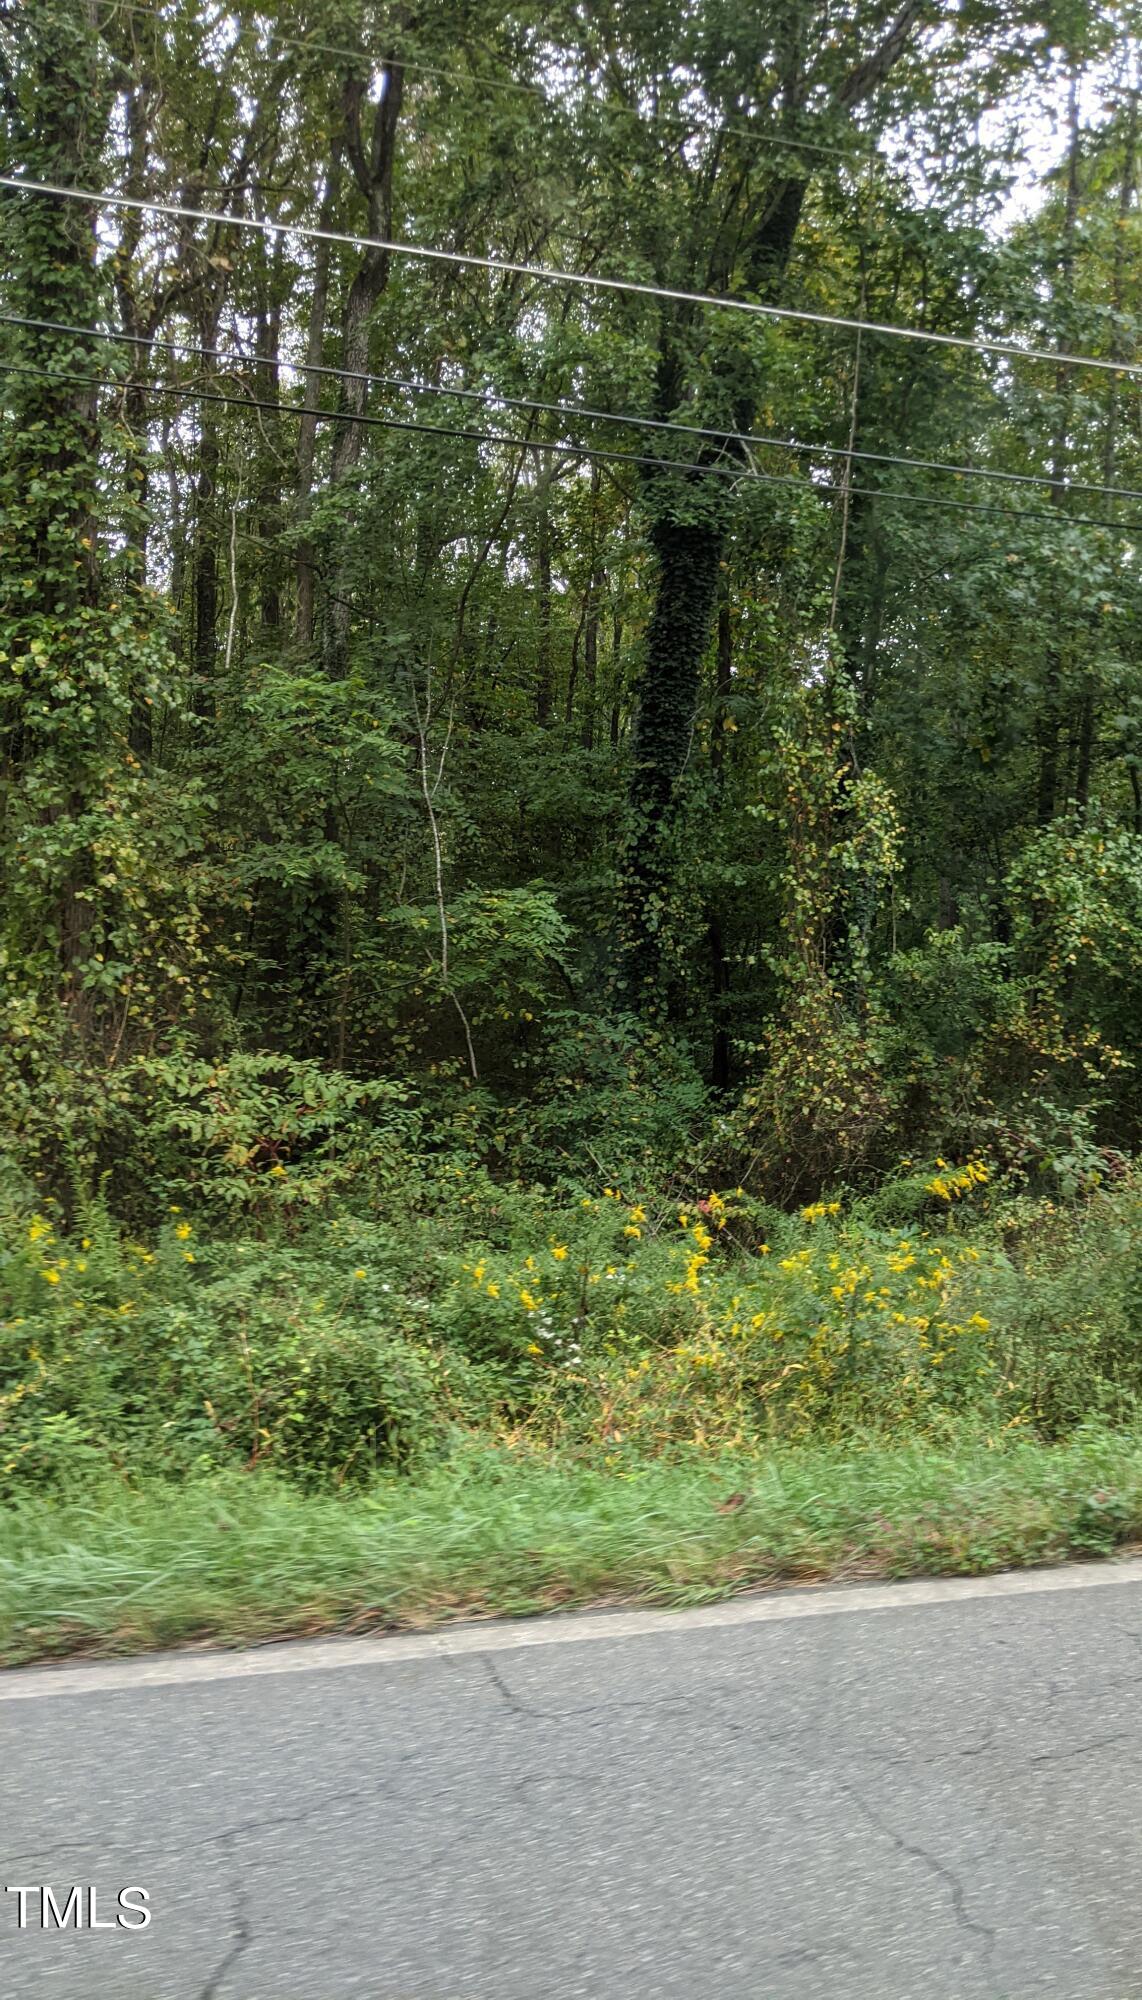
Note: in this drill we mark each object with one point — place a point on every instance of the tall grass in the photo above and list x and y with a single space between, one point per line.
237 1558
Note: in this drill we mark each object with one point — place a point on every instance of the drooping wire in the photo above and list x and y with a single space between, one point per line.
747 475
584 412
1011 350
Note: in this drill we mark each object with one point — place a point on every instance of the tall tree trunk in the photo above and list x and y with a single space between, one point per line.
591 613
545 688
307 425
715 934
268 496
207 532
689 524
1126 192
1050 712
591 658
49 565
688 559
139 326
373 171
689 529
134 320
616 678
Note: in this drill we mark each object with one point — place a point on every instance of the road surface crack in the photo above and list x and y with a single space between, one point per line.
589 1711
243 1934
513 1701
1081 1749
950 1880
978 1749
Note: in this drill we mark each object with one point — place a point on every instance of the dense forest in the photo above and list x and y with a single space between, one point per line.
380 696
569 634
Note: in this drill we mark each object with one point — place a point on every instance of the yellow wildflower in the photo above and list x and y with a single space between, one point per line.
693 1271
182 1231
559 1252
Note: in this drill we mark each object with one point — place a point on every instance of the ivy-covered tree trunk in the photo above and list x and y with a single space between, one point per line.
48 558
690 519
96 912
688 558
715 928
750 232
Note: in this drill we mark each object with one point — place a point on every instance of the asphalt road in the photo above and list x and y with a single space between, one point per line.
929 1792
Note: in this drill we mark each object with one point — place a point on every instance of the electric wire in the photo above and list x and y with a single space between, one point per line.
490 397
1058 358
1054 516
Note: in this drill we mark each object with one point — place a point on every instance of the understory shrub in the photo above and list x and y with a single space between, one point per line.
613 1324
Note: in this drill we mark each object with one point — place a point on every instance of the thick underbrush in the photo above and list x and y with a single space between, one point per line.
612 1325
490 1397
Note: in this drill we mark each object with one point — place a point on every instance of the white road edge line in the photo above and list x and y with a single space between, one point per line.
301 1656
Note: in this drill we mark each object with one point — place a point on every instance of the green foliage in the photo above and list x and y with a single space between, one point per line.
609 1100
260 1134
429 759
195 1354
411 828
622 1325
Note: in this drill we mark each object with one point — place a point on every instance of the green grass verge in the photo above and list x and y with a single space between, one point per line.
238 1558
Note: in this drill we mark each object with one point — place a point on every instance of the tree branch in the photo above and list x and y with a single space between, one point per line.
865 76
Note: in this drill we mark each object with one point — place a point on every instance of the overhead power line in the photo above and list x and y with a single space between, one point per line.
580 412
307 46
545 274
190 391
